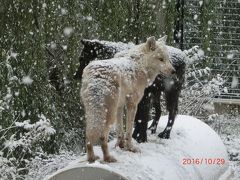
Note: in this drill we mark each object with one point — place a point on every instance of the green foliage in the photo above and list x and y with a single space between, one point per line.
207 19
126 20
170 17
40 47
25 91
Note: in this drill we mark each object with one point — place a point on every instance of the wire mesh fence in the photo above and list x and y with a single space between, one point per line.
214 26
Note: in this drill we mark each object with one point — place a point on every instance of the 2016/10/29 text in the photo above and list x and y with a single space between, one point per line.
200 161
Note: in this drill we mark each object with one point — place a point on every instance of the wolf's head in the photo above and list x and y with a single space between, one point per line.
157 56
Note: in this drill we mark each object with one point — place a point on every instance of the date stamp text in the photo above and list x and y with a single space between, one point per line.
202 161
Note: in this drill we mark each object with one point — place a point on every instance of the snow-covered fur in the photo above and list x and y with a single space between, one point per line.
95 49
109 85
170 85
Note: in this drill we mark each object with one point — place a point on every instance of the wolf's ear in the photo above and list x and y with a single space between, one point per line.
151 43
163 39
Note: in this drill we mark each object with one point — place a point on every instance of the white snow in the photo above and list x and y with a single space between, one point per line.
230 56
225 90
188 56
200 53
64 11
14 55
43 125
68 31
175 52
235 82
27 80
64 47
191 139
53 45
120 46
194 54
88 18
44 5
122 66
195 17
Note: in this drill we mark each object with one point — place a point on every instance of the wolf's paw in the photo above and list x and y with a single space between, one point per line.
120 143
152 129
109 159
164 135
133 149
92 159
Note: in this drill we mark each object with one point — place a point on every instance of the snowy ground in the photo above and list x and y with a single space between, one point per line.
233 148
228 127
165 158
42 167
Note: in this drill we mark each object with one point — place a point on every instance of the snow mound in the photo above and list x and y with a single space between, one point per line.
194 151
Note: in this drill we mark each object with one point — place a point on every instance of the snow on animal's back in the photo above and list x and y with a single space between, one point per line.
119 65
103 77
194 152
106 74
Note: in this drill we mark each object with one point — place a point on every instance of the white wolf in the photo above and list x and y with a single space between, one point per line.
109 85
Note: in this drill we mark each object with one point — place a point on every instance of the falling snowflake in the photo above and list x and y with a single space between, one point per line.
64 47
27 80
13 55
53 45
68 31
63 11
44 5
195 17
88 18
230 56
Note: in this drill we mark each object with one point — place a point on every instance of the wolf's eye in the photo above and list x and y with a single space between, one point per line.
160 59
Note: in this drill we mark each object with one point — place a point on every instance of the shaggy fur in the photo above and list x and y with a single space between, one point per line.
94 49
109 85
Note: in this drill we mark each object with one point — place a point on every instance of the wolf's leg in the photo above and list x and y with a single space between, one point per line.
172 107
104 140
131 112
142 117
90 153
156 104
171 118
111 105
120 134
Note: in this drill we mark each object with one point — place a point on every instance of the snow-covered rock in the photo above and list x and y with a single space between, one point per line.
194 151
